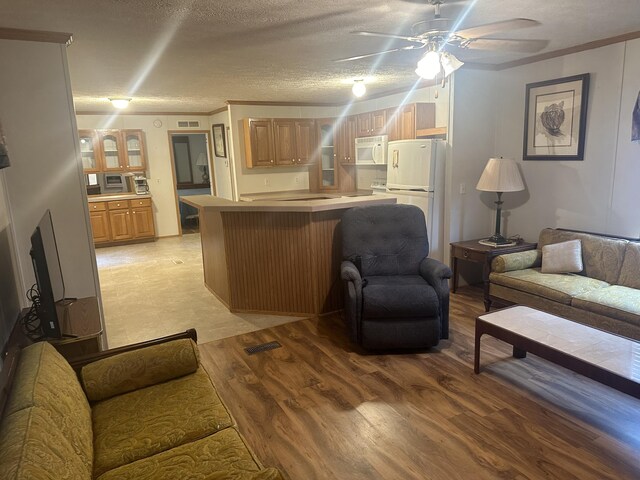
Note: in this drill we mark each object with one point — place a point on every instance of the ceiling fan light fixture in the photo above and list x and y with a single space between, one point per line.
359 88
449 63
120 102
429 65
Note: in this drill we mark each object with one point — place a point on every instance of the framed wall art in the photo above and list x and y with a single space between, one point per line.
555 119
219 142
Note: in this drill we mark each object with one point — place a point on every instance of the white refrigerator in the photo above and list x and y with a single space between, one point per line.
415 176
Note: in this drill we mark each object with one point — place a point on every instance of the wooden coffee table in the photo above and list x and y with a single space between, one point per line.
601 356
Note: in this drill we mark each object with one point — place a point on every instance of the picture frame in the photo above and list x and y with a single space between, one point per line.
555 118
219 141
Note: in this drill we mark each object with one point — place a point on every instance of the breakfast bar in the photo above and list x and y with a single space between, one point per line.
279 255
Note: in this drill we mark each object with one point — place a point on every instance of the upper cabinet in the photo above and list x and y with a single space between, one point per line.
328 154
405 121
347 131
90 151
371 123
279 142
112 150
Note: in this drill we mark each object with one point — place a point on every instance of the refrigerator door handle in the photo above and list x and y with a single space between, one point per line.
374 155
396 158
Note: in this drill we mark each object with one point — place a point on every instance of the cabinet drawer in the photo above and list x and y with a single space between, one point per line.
97 206
143 202
117 204
465 254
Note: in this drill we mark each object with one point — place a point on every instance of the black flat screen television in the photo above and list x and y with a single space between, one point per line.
50 284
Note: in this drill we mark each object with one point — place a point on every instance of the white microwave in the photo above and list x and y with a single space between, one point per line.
372 150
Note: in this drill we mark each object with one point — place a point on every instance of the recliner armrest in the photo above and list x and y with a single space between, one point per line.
349 272
433 271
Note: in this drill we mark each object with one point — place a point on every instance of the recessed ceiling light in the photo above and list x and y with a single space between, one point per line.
359 88
120 102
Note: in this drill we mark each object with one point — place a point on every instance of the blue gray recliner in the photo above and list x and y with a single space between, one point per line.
395 297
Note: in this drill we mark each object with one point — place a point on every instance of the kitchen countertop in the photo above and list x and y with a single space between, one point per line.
288 202
116 196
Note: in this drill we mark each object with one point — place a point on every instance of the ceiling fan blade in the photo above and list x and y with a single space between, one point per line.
512 45
387 35
357 57
496 27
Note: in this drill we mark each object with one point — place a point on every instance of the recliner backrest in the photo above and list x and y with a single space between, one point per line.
385 239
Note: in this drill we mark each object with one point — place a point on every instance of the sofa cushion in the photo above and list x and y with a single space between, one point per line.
148 421
46 380
560 287
615 301
564 257
33 447
629 273
223 455
602 256
140 368
398 296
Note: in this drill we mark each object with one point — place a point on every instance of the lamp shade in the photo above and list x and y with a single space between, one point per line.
202 160
500 175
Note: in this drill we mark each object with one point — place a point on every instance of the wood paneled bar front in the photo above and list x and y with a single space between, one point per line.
277 256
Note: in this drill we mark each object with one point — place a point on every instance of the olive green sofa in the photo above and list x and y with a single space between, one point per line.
605 294
147 414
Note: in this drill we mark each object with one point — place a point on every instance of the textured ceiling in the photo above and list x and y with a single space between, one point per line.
193 55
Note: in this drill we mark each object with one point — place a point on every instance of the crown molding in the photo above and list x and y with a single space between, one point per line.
36 36
97 112
218 110
283 104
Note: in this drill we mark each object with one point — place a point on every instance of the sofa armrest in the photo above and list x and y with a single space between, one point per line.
139 368
516 261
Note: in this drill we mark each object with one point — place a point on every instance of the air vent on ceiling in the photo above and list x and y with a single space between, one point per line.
188 124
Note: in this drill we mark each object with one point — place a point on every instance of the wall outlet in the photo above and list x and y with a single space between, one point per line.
266 182
463 189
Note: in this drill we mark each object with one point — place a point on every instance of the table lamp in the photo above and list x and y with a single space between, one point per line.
202 162
500 175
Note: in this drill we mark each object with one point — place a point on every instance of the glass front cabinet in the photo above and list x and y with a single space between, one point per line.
112 150
327 163
90 151
113 154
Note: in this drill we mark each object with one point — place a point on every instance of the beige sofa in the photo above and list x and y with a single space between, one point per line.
605 295
147 414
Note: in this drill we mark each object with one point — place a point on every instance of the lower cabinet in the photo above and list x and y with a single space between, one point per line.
122 221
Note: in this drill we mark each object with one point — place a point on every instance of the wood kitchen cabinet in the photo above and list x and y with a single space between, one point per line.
258 142
99 218
90 151
142 215
372 123
121 221
347 132
326 167
294 141
113 150
405 121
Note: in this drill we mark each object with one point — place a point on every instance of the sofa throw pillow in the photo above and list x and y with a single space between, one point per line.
564 257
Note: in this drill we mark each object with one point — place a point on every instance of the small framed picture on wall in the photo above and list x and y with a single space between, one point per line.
555 119
219 141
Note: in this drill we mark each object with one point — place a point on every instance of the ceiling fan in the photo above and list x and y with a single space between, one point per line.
437 35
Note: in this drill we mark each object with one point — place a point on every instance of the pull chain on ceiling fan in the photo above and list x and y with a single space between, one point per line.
437 37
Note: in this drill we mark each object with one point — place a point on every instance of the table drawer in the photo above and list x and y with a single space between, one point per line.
142 202
97 206
118 204
466 254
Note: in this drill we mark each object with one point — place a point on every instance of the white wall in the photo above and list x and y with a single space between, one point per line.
222 171
45 172
597 194
159 171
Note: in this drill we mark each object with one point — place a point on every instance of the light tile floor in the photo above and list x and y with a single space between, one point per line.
155 289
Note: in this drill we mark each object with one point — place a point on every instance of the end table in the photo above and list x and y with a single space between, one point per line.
472 251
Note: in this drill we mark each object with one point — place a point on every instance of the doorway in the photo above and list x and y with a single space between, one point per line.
191 165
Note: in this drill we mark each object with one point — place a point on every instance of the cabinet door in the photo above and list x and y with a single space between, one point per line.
259 149
407 122
135 155
284 136
328 156
305 141
99 225
379 122
351 132
121 225
142 222
112 150
364 124
90 151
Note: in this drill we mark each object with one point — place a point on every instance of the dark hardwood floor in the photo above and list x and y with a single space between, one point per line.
318 409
